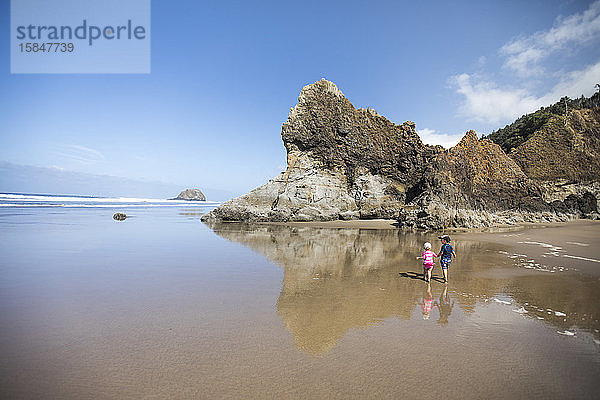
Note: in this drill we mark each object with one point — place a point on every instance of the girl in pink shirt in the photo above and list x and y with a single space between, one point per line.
428 262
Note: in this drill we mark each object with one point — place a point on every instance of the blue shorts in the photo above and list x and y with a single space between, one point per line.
445 262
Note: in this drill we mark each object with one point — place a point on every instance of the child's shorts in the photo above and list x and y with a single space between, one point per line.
445 262
427 266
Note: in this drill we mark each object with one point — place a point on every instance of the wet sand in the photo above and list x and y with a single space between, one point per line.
573 245
163 307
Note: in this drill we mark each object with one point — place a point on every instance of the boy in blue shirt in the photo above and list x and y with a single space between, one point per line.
446 254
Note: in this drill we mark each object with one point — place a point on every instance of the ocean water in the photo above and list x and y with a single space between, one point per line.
163 306
24 200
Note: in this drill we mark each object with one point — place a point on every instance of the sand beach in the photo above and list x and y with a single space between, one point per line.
162 306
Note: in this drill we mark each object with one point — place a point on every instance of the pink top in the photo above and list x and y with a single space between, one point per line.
428 258
427 305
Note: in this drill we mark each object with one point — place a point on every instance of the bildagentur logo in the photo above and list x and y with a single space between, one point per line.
85 32
75 36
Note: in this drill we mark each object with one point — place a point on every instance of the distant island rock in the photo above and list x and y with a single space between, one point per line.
347 163
191 195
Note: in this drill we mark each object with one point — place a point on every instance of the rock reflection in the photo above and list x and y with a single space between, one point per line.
339 279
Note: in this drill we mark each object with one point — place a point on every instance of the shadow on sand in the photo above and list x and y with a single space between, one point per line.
420 276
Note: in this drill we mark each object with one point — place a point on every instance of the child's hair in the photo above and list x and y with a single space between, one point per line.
427 246
445 238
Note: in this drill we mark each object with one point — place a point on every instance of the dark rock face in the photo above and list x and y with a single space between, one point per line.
347 163
477 174
585 204
326 126
191 195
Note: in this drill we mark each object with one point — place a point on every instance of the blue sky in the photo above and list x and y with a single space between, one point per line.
225 74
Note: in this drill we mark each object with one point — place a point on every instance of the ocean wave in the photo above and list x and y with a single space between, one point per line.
15 199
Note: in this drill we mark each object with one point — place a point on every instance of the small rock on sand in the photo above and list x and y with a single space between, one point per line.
119 217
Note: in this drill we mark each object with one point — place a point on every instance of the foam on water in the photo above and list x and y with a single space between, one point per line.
581 258
566 333
41 197
552 249
578 244
42 200
204 204
559 314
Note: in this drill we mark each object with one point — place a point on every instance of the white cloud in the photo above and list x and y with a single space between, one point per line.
80 154
525 62
574 84
87 150
485 102
428 136
525 54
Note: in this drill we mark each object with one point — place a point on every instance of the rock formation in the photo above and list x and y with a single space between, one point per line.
348 163
474 184
343 163
191 195
119 217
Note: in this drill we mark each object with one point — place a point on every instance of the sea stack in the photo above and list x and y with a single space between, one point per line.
347 163
191 195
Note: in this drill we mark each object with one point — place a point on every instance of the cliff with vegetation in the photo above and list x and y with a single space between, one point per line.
348 163
558 147
548 149
518 132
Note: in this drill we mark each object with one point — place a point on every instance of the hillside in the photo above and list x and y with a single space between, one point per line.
517 133
548 150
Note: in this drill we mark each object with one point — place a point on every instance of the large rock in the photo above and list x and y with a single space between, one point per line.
342 162
119 217
326 126
347 163
477 174
191 195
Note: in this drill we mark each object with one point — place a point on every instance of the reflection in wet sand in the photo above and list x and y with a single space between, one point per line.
426 302
192 212
336 280
445 304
